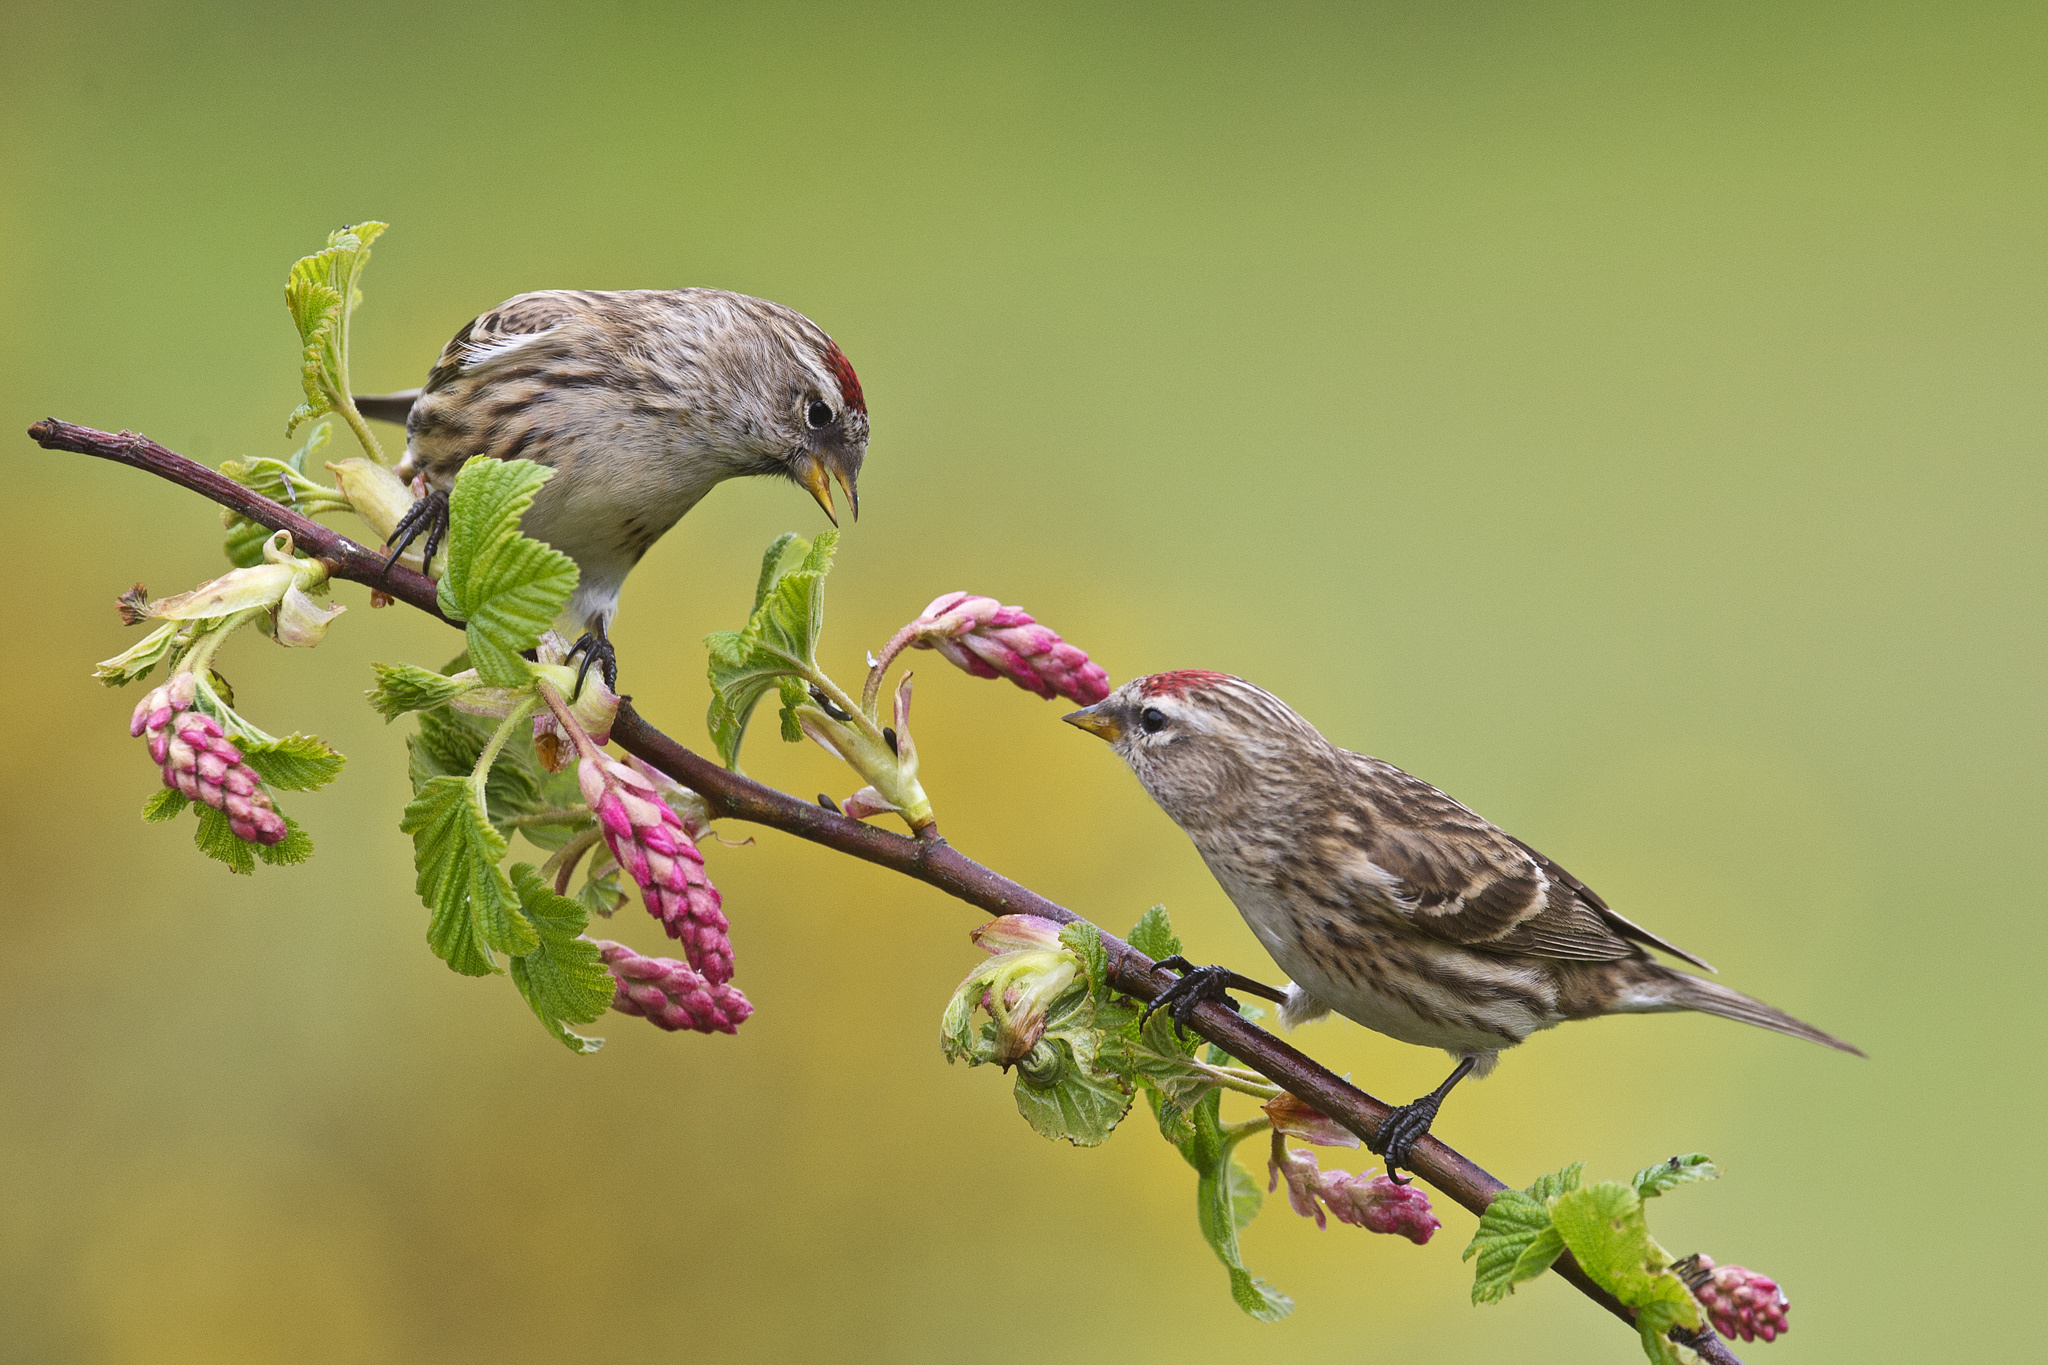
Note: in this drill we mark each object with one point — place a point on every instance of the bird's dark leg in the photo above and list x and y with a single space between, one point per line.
429 514
596 648
1408 1125
1197 984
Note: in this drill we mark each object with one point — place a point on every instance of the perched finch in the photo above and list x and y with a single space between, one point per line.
641 401
1384 899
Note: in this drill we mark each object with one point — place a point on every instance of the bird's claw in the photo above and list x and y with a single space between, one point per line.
428 514
1196 985
1404 1128
595 649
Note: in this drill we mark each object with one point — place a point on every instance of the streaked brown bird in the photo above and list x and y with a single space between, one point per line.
1385 900
641 401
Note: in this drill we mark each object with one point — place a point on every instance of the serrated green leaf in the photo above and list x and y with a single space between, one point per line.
1515 1241
456 852
164 804
448 744
216 840
1221 1206
1654 1322
1084 941
507 586
793 696
243 544
1547 1187
138 659
564 980
1061 1095
780 639
1246 1198
1604 1227
322 293
295 847
601 893
296 763
1153 935
1652 1181
402 688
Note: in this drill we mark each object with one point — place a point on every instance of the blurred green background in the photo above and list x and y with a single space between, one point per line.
1627 417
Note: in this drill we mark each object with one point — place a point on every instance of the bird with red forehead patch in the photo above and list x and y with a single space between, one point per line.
641 401
1385 900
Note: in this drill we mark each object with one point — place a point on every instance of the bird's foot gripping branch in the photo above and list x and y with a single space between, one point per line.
509 741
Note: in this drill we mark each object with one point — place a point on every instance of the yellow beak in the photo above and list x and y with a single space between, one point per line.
812 475
1096 722
816 472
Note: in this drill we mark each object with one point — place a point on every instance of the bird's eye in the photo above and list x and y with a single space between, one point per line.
1153 719
819 415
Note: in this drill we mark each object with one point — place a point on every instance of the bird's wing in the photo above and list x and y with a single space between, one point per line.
491 340
1457 878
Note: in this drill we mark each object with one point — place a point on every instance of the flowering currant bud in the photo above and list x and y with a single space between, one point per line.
650 842
1374 1203
1739 1301
200 764
1302 1121
1017 934
670 994
990 640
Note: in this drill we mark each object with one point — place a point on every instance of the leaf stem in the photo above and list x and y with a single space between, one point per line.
481 773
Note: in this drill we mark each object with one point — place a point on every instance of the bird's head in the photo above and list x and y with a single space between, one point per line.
780 396
1201 742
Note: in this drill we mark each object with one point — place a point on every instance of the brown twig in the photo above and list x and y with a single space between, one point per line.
928 858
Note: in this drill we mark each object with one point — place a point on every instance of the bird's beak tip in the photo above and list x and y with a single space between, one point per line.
1095 722
813 479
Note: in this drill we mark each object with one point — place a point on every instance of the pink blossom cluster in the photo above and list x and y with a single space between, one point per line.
200 763
657 851
1739 1301
991 640
670 993
1376 1204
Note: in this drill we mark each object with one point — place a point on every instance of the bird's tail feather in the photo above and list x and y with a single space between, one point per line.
1683 991
387 407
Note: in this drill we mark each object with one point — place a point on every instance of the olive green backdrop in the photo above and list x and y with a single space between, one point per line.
1627 417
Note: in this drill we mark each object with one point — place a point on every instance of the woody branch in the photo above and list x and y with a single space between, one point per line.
926 857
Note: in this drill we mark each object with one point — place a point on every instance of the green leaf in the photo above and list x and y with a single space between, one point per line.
164 804
780 639
1062 1095
296 763
1246 1198
456 852
1153 934
1220 1206
564 979
1548 1187
321 292
138 659
295 847
244 542
402 688
793 695
1515 1241
1084 941
448 744
508 587
1654 1322
216 840
1652 1181
1603 1225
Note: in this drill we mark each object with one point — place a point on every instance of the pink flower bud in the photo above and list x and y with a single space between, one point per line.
1016 934
1739 1301
650 841
990 640
1298 1119
1374 1203
670 993
201 764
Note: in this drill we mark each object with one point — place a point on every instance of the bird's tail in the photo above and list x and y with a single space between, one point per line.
1673 990
387 407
